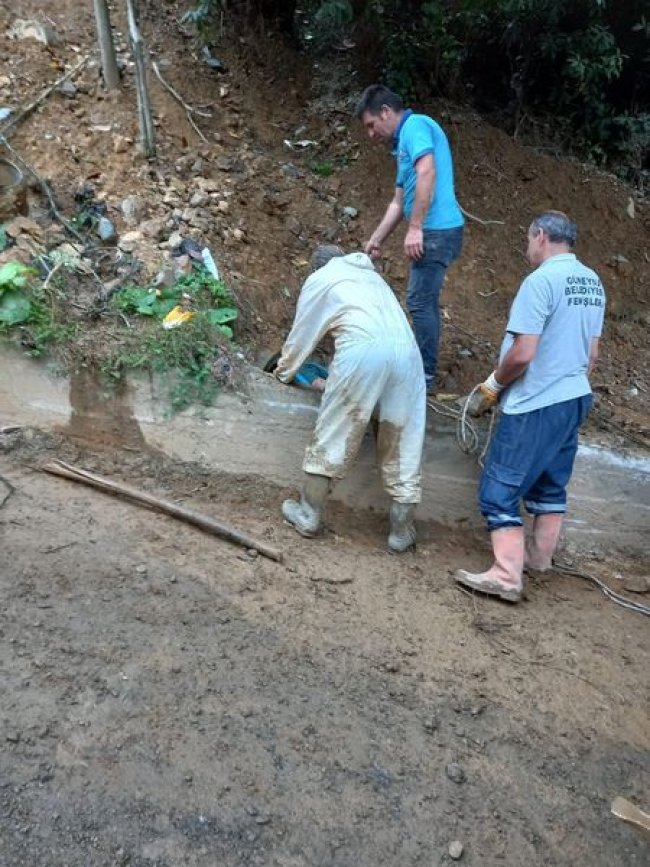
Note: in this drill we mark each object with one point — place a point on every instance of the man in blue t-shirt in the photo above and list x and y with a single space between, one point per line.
424 195
550 347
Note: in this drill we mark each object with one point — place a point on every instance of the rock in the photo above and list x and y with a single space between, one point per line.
129 241
350 213
29 29
106 230
175 240
636 583
225 164
430 725
155 229
197 166
239 235
164 279
189 215
223 206
455 850
23 226
293 225
200 199
133 210
629 210
208 185
182 266
455 773
290 171
68 89
13 254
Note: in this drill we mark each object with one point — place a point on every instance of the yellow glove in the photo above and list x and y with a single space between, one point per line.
485 397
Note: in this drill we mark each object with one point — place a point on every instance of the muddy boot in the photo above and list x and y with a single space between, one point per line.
504 578
402 527
306 514
541 546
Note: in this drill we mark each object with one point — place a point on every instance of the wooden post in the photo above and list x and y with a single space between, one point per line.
106 45
147 139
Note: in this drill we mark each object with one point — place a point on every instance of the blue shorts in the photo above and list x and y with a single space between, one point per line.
531 458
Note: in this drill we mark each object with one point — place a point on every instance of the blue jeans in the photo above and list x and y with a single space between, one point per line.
441 248
531 458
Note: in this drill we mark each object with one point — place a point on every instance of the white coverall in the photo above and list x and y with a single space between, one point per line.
376 364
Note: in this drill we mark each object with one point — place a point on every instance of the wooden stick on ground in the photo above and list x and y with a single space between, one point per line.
42 95
189 111
225 531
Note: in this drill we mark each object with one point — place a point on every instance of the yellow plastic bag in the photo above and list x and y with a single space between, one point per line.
176 317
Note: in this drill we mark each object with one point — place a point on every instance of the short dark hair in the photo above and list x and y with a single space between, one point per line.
322 254
559 228
374 97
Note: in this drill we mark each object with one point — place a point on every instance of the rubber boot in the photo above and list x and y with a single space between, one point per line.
402 527
504 578
307 513
541 546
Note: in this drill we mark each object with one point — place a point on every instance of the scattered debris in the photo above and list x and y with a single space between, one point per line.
455 850
24 28
455 773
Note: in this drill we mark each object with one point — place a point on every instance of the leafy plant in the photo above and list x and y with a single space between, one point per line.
323 168
184 355
15 306
25 302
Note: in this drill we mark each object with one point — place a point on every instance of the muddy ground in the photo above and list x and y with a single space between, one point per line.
170 700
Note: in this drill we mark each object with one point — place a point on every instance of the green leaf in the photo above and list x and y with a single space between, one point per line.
226 330
14 308
222 315
4 239
13 275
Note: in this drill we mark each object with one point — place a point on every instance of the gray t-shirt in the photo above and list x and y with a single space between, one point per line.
564 302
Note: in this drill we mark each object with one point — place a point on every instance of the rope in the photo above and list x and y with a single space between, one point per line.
467 435
618 598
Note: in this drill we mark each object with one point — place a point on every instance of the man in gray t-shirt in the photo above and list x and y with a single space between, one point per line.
550 347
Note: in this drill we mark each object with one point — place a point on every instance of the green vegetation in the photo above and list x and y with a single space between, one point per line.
184 355
323 168
190 356
28 306
574 75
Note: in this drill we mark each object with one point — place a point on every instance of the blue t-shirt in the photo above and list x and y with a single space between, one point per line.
416 136
564 302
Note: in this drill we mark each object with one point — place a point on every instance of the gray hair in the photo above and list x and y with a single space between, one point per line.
559 228
322 254
374 98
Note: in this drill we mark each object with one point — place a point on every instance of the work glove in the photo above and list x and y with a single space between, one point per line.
484 397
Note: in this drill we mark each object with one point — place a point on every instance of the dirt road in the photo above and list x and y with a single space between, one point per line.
170 700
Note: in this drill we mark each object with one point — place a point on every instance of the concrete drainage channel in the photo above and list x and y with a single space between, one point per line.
263 431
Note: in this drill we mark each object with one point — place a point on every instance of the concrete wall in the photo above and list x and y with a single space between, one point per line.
263 431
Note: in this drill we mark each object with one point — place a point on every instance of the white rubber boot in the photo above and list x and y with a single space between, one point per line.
541 546
505 578
306 514
402 527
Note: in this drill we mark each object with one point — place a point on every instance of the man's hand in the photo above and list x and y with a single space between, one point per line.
373 247
414 243
484 397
